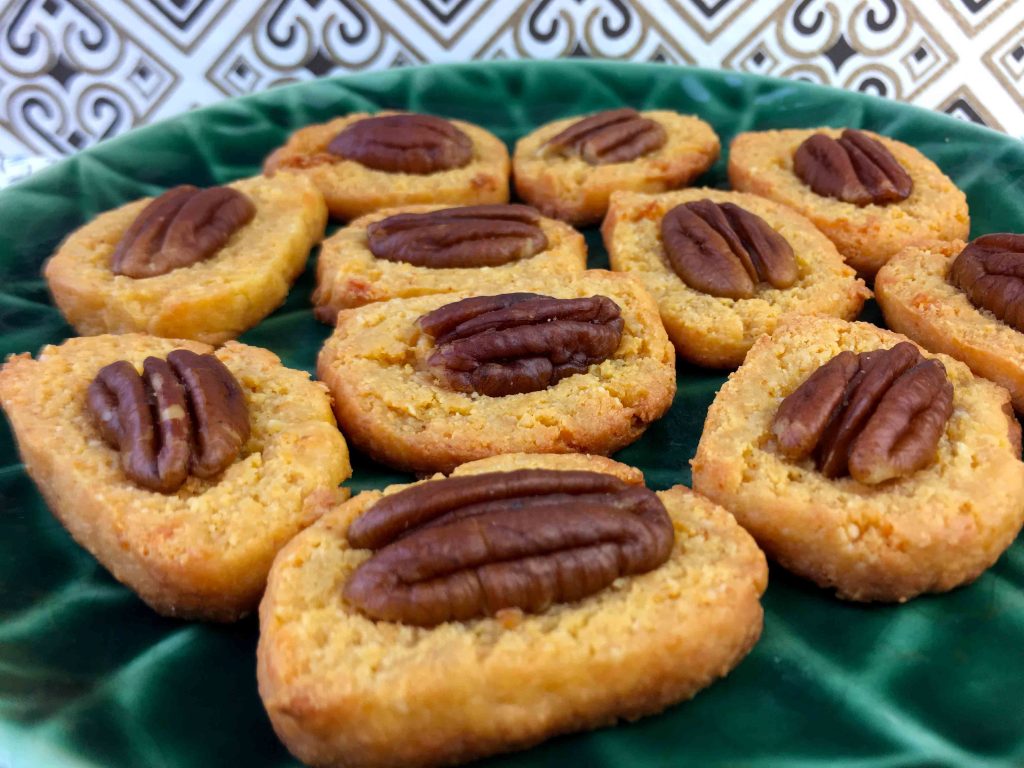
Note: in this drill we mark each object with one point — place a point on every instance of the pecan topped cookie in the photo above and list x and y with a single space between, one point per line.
726 267
461 602
577 363
362 163
869 194
862 462
420 250
181 468
569 168
965 300
201 264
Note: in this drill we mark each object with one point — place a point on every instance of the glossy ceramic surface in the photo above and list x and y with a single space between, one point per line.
90 677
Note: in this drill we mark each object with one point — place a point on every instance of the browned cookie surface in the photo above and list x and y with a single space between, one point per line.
866 233
344 689
422 250
718 293
396 400
943 519
362 163
201 550
573 177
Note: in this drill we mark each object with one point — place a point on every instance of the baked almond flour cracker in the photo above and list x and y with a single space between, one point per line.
352 188
390 404
930 531
717 331
202 552
348 274
762 162
918 299
575 186
211 301
342 689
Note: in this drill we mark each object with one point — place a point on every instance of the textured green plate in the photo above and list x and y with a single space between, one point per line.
90 677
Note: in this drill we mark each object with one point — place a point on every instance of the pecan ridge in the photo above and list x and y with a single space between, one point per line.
469 236
990 270
404 143
612 136
186 414
466 547
519 342
854 168
876 415
724 250
181 227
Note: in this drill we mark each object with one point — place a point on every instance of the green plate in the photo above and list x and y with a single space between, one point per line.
90 677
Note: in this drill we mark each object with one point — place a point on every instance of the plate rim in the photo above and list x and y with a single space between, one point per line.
359 80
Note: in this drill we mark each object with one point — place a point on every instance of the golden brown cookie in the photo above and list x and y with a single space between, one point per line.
350 275
867 236
573 189
930 531
918 299
390 404
353 189
203 551
717 331
211 301
342 689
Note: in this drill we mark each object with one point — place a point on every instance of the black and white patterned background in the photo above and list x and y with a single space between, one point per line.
74 72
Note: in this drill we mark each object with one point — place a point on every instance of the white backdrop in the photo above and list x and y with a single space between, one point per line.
73 72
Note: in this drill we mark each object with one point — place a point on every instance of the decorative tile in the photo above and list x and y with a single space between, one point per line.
964 105
292 40
887 49
73 72
73 77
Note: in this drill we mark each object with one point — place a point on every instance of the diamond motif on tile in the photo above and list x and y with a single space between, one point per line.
963 104
839 53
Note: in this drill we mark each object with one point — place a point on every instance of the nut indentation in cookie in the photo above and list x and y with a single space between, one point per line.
181 227
186 414
875 415
406 143
613 136
990 270
519 342
470 236
724 250
854 168
467 547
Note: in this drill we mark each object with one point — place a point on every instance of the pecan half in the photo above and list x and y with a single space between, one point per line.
613 136
186 414
406 143
181 227
990 270
519 342
875 415
724 250
466 547
854 168
471 236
